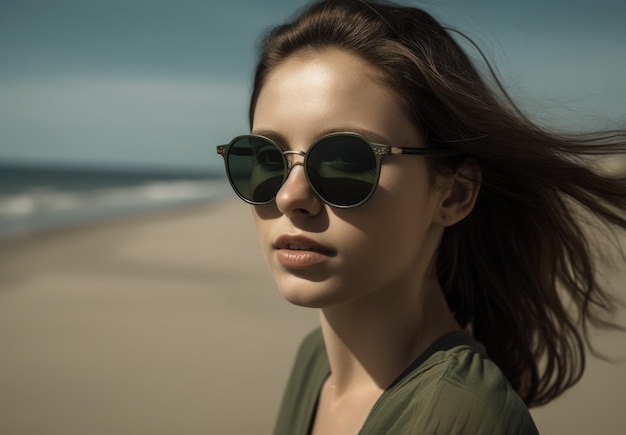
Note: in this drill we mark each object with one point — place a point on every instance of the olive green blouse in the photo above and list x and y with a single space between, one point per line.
452 388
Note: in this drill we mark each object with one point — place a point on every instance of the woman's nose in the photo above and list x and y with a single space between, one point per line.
296 197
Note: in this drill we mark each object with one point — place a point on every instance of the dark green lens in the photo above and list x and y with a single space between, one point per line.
256 168
342 169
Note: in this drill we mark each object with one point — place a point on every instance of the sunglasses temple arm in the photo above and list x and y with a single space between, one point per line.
414 151
221 150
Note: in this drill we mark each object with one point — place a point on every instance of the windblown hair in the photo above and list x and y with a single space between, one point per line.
515 267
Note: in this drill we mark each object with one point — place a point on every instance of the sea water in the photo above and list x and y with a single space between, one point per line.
33 198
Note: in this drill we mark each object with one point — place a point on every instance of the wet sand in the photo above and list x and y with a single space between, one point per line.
171 323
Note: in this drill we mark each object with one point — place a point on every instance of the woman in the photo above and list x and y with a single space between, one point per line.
434 226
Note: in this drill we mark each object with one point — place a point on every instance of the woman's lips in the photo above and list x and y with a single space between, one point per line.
298 252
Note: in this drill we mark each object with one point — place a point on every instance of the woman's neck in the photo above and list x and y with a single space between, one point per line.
370 342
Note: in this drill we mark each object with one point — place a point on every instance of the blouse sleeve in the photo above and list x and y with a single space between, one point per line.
466 393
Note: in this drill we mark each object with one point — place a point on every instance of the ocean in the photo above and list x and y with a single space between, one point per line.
33 198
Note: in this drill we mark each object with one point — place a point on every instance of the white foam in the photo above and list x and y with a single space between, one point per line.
42 208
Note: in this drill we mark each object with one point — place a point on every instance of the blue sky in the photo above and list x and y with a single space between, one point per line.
157 83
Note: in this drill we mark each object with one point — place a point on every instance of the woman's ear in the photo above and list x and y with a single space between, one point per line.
460 194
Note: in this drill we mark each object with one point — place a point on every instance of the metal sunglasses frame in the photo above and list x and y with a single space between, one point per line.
380 152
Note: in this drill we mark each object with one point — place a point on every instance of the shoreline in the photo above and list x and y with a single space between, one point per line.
170 323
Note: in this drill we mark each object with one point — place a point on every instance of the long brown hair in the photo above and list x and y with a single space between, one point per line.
510 268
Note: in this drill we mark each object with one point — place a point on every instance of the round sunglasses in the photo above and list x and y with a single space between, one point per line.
342 168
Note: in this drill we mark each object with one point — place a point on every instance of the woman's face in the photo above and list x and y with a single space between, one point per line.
322 256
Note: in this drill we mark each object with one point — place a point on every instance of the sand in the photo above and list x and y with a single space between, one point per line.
171 323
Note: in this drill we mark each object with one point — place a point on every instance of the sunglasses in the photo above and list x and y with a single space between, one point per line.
342 168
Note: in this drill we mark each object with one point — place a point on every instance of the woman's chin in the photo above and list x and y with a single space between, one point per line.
306 299
310 294
304 291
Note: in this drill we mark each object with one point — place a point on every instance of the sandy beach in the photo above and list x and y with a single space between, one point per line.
171 324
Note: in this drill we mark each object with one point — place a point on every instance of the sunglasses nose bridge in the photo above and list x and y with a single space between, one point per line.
290 162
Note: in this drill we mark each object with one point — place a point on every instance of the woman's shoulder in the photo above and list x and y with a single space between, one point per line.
307 375
452 388
458 361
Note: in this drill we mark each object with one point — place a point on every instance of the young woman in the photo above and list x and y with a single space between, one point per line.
436 228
